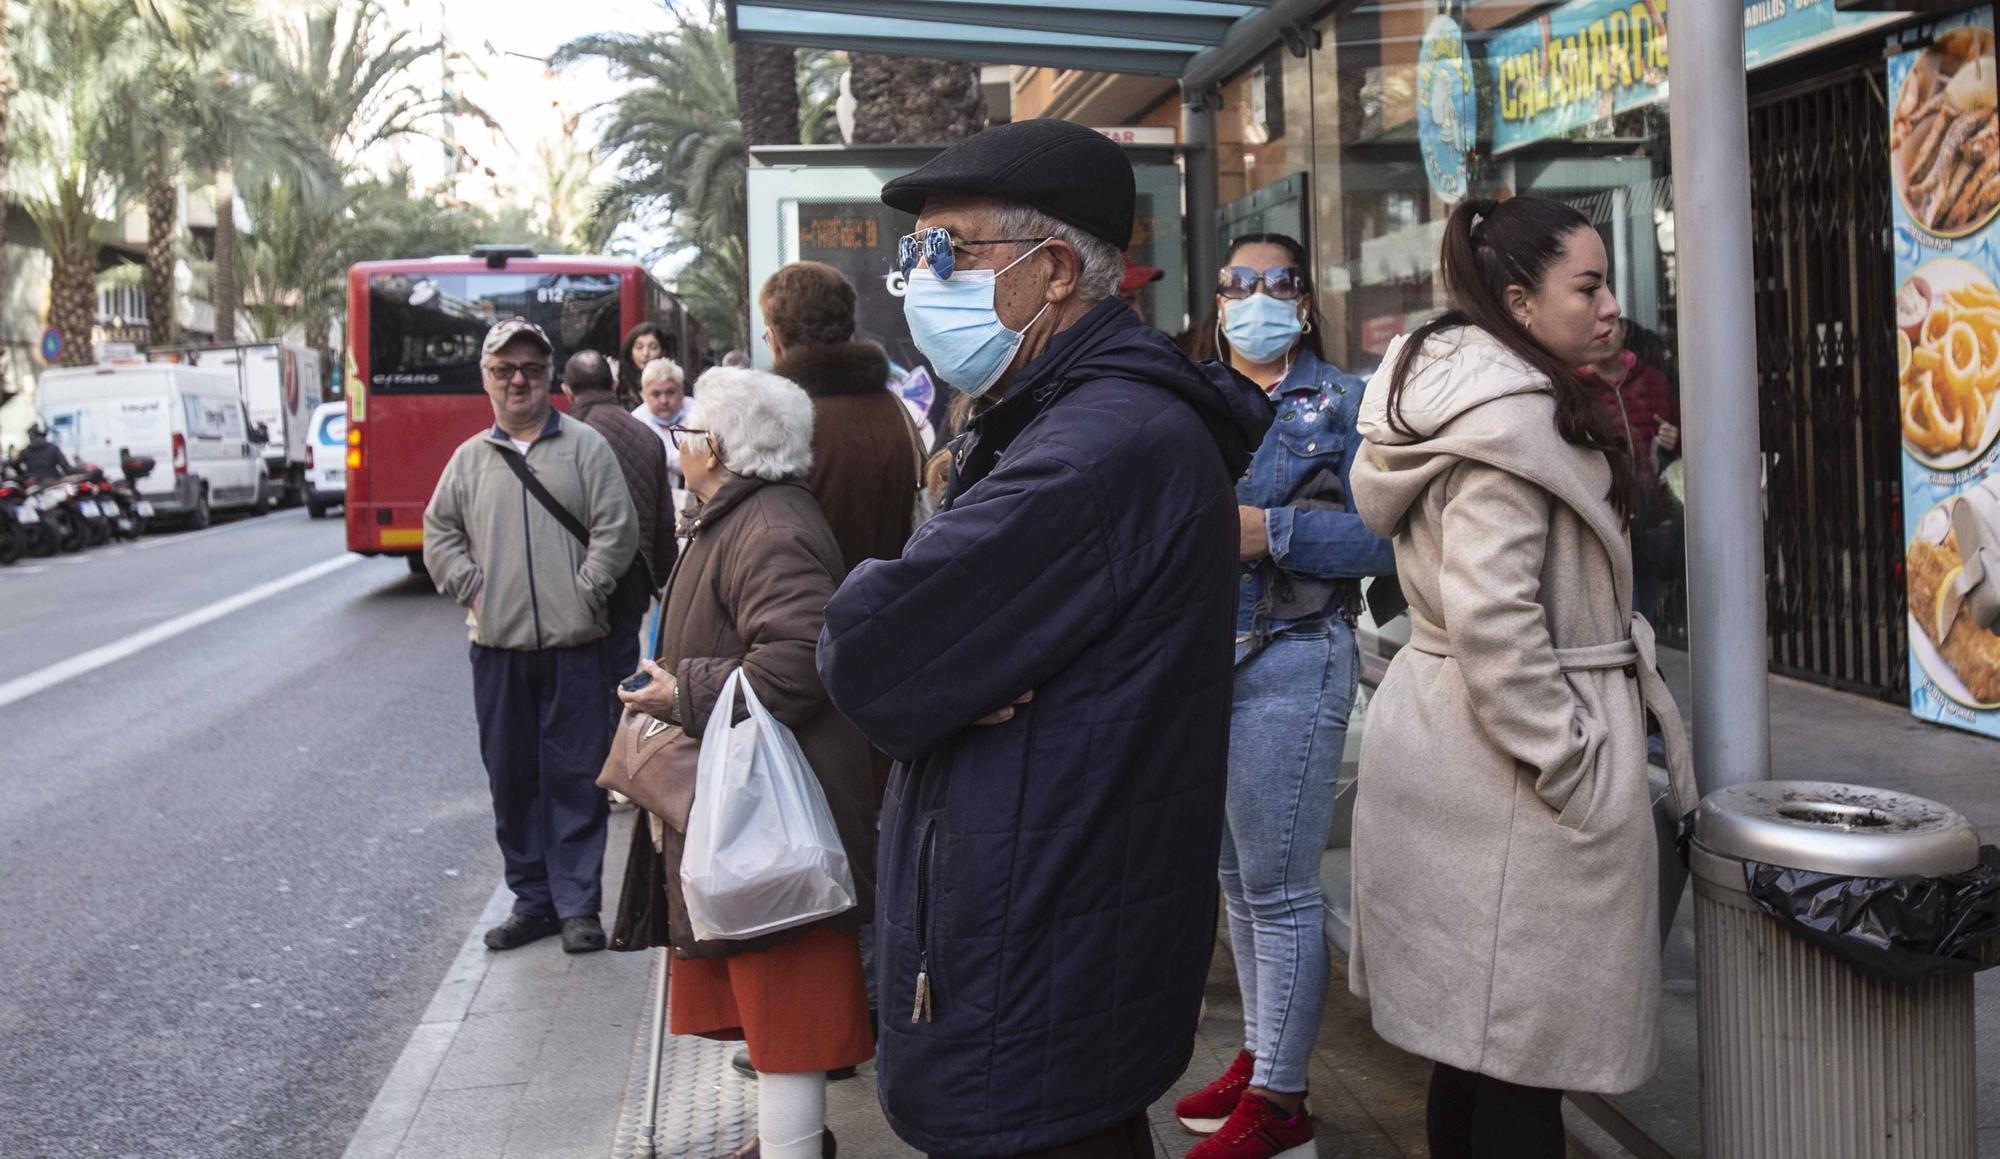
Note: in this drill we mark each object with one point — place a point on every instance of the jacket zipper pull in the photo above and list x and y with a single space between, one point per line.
920 1011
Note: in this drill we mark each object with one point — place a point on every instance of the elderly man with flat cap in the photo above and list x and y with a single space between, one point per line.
530 529
1050 663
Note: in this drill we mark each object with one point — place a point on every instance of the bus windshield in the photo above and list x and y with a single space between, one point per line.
424 329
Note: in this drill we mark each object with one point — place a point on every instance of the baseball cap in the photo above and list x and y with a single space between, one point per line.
515 327
1137 275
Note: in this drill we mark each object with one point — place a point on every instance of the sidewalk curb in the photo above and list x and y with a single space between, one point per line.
381 1132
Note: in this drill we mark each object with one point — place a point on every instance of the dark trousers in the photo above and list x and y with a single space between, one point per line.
543 734
621 659
1131 1139
1476 1116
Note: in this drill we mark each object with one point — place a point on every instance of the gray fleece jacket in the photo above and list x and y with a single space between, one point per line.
526 583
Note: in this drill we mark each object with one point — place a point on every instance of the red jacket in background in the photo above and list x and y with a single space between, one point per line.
1635 406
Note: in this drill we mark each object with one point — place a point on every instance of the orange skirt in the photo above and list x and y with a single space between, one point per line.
801 1005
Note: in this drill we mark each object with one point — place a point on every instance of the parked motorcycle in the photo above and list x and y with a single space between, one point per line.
91 518
61 528
137 512
16 517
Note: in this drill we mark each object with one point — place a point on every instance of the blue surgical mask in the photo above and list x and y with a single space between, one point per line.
1261 328
955 327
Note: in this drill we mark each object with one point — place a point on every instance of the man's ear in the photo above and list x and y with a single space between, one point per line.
567 392
1068 270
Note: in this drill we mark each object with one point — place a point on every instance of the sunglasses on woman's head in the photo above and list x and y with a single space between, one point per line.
1284 283
934 248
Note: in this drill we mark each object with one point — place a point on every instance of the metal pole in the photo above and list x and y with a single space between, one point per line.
1198 134
1718 355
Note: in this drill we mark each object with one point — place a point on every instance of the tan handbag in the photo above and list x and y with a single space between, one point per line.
653 763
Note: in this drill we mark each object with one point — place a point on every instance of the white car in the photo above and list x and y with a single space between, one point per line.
326 458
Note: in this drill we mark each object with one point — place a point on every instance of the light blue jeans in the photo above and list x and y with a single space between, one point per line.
1287 729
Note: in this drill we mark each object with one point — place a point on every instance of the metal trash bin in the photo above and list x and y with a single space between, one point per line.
1803 1056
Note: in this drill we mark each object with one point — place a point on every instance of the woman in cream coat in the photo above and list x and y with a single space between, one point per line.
1505 893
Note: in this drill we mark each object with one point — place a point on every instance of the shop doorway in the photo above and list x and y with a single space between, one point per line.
1826 379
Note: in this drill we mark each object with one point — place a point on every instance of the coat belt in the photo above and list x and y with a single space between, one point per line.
1637 654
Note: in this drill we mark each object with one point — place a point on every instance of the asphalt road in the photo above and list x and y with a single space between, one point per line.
235 864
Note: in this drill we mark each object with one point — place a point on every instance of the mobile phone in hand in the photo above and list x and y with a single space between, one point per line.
636 681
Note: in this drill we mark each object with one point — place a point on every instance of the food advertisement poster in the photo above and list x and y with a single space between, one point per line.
1944 140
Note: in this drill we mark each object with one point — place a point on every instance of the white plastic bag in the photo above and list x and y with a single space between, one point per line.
762 851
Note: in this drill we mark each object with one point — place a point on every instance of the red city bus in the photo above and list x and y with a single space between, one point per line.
414 387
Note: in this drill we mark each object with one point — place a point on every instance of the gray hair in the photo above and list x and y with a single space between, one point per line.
765 423
660 369
1103 265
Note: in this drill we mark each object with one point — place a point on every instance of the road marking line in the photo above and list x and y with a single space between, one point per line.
152 542
23 687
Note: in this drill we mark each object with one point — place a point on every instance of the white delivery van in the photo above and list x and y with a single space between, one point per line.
326 459
189 420
280 384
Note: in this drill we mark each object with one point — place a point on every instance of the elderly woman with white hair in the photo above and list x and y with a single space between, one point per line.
663 405
750 591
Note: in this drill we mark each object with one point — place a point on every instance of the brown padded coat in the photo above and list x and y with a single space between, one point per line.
1505 863
751 591
864 447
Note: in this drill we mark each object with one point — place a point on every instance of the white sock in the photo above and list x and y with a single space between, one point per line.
791 1113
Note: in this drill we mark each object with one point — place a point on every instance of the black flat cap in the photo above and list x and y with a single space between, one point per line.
1072 173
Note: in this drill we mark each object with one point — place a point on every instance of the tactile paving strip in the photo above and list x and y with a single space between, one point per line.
707 1110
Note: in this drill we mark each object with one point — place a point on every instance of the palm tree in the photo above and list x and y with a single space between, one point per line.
356 86
78 70
683 150
767 93
903 101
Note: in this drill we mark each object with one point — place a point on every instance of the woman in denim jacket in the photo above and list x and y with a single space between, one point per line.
1304 552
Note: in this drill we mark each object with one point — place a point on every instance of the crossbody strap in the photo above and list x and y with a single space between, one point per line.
519 465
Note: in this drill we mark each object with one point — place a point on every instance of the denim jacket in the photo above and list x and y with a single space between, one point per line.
1321 540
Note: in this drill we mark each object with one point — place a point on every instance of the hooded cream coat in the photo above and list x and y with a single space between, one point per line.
1504 851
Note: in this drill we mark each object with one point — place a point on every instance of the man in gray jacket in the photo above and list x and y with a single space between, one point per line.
530 529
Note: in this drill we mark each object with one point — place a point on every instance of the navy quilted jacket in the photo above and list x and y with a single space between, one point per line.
1052 879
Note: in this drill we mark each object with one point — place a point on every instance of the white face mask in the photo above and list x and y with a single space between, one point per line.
955 326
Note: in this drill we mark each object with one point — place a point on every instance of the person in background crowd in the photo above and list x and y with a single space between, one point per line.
1504 849
42 459
587 382
538 606
751 593
736 360
1639 405
644 344
865 453
664 405
1304 552
1049 661
1132 287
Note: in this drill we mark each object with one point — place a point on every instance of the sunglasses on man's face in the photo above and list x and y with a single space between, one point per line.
934 248
1284 283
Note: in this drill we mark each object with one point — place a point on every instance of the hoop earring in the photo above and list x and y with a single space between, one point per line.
1308 328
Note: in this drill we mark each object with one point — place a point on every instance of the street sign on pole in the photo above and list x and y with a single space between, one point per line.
52 345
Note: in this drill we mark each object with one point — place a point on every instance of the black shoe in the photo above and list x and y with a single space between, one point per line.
741 1062
828 1149
582 935
520 929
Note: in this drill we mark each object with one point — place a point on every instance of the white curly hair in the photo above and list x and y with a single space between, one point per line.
764 422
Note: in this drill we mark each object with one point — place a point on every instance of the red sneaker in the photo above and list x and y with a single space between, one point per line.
1204 1111
1258 1130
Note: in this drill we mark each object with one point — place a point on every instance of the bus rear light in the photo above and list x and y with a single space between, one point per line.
180 454
354 458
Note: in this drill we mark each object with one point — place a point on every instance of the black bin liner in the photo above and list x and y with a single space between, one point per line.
1903 929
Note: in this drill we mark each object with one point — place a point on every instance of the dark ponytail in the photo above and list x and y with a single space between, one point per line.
1488 246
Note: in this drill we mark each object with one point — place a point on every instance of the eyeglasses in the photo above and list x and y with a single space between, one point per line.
935 246
505 371
1284 283
682 435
